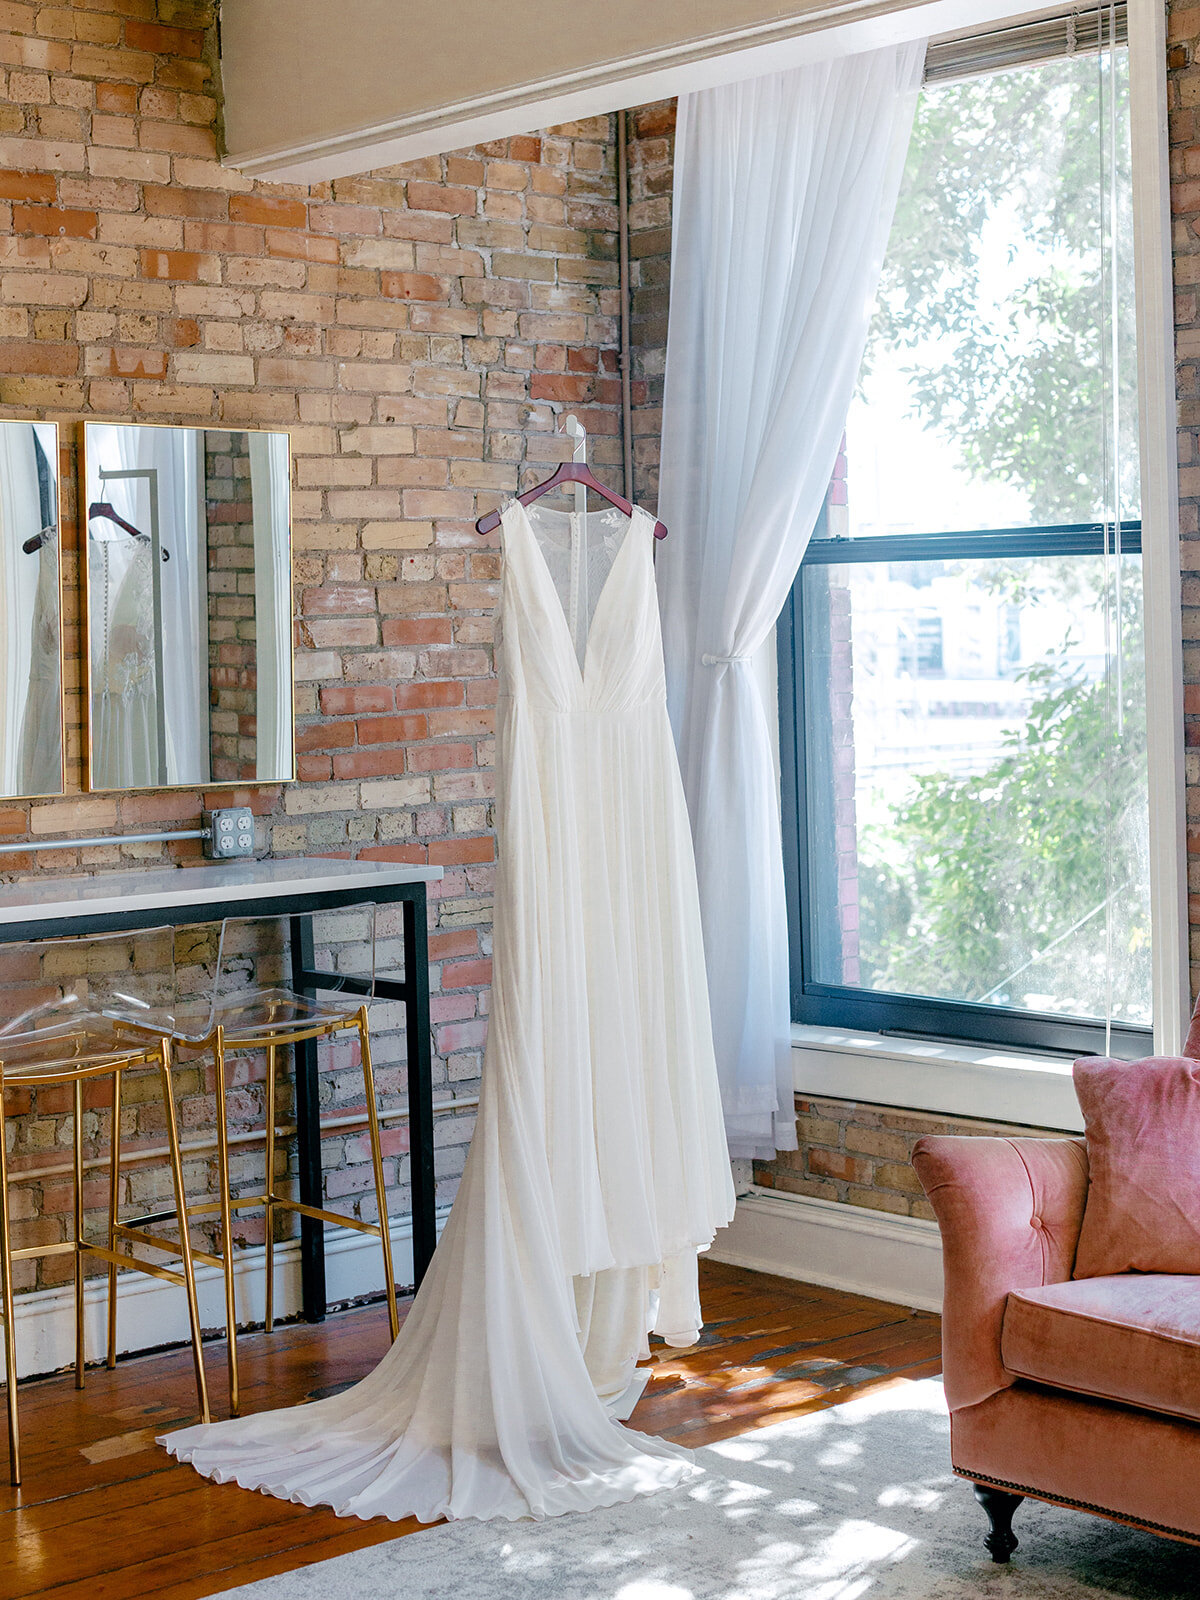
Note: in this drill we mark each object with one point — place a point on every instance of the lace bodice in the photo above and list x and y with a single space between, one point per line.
579 553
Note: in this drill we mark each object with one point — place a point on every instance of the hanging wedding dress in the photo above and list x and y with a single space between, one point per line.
124 689
598 1166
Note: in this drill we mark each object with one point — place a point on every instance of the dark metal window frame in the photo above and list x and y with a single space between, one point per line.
884 1011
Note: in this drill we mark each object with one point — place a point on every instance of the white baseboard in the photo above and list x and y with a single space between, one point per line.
151 1313
838 1246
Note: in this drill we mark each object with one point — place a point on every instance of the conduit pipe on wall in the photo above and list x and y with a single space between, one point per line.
623 290
107 838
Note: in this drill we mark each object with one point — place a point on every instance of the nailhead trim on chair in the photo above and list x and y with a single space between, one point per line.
1077 1505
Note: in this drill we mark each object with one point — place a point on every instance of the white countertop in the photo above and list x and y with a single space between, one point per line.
44 899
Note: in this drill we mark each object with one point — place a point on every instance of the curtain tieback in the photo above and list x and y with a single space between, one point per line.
718 661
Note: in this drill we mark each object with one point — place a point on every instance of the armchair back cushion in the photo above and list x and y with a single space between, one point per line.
1009 1211
1142 1122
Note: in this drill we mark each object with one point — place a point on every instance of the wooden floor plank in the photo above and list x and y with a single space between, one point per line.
105 1514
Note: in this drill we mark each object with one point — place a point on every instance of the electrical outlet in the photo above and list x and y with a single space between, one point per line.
230 833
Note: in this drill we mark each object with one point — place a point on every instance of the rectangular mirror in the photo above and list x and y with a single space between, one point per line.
31 696
189 606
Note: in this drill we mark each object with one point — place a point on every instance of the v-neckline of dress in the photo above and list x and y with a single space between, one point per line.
556 605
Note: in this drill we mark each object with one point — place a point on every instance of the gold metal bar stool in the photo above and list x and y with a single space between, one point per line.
62 1040
249 1017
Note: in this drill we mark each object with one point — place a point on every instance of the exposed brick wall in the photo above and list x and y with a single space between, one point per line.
861 1154
417 330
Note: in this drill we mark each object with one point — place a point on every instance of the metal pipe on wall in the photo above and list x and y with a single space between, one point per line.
108 838
623 281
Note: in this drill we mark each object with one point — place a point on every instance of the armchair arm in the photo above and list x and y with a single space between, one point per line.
1010 1212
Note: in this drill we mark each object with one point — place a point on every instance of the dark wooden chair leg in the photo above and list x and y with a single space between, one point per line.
999 1505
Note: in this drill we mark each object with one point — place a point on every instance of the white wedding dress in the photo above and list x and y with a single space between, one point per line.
598 1167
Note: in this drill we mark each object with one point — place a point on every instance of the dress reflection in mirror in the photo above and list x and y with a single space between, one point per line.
189 606
31 721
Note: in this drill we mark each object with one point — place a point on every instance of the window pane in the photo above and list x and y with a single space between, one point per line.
974 757
988 368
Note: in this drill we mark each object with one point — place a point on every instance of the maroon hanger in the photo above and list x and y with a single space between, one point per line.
568 472
102 509
34 544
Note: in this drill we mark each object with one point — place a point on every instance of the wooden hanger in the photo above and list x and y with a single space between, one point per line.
569 472
100 510
32 545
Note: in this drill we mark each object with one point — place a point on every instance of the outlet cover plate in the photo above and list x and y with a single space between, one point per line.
231 833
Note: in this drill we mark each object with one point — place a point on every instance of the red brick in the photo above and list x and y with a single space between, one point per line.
466 974
338 702
440 757
432 692
56 360
152 36
457 852
326 736
368 764
456 942
457 202
27 186
390 730
267 210
400 631
118 97
412 853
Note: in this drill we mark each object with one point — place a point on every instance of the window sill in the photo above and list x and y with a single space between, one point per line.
960 1080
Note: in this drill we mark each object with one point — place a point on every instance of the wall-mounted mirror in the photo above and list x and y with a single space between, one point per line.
31 698
189 606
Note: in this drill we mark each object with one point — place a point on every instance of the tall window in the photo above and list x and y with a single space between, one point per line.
963 708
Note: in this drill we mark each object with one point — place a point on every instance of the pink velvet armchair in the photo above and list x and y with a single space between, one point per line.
1082 1392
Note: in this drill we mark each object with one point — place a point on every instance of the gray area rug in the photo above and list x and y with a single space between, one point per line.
854 1503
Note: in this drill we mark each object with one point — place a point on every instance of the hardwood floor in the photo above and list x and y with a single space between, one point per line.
104 1513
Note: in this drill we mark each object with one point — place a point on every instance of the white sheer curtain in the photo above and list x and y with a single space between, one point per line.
784 192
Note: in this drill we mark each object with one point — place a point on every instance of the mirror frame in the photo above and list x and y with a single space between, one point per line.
203 785
59 480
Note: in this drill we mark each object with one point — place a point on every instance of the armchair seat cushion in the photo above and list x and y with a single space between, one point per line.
1134 1338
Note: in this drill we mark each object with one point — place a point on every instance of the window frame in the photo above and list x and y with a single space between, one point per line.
886 1012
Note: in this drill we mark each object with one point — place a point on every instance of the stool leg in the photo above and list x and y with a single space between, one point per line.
114 1200
78 1142
269 1220
226 1222
385 1235
185 1243
10 1331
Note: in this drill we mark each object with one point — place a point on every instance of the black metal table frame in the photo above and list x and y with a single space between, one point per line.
299 907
